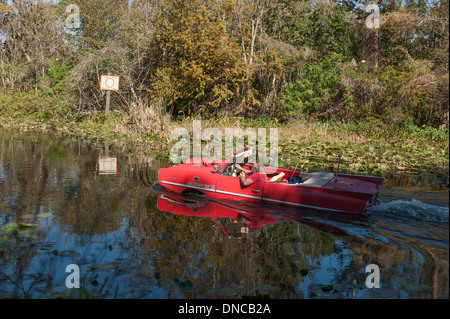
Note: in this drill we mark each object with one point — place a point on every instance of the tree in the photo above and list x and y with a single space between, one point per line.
31 39
200 67
100 21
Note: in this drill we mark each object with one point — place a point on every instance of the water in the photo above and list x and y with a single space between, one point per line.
64 202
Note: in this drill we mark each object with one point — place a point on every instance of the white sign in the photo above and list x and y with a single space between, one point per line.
109 82
107 165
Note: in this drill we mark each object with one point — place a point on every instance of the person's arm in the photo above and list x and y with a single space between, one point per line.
246 171
245 181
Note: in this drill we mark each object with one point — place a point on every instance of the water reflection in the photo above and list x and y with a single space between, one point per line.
107 165
250 217
132 242
234 223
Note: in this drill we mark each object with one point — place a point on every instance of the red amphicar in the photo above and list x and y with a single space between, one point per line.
317 190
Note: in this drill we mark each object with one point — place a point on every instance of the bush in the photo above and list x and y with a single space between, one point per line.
18 104
319 90
59 75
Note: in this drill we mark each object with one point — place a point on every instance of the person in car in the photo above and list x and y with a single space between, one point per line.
256 173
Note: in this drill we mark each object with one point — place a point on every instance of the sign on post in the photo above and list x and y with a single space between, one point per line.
109 82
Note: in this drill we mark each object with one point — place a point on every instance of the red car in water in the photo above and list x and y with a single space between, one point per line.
318 190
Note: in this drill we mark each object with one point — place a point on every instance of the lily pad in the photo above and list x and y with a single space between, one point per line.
11 227
187 285
319 288
44 215
327 288
26 225
27 232
305 270
68 253
117 267
39 277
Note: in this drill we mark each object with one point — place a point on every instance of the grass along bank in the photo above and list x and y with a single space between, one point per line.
367 148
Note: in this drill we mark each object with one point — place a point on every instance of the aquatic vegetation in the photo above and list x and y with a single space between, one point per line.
118 267
371 157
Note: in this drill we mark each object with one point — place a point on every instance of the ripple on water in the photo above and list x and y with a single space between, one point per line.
415 209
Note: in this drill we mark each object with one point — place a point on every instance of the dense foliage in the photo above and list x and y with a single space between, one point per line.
218 58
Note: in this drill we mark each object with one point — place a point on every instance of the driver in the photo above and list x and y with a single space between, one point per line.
255 174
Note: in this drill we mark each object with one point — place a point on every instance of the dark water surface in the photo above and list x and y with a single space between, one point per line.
62 203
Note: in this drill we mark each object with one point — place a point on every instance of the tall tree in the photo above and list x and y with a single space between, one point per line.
99 21
31 37
200 68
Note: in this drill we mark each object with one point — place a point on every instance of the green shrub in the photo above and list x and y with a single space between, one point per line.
59 75
319 90
17 104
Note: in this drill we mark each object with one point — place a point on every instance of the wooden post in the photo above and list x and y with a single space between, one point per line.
106 148
108 99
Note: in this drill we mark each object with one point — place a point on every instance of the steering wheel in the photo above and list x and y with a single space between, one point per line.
231 169
235 170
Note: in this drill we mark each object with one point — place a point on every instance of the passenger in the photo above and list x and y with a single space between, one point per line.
255 174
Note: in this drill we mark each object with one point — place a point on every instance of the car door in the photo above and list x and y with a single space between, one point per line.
230 187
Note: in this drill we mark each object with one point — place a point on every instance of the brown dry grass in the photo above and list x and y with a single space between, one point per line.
296 131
